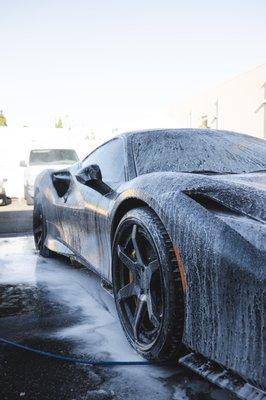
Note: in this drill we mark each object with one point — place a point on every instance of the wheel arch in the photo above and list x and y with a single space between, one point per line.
136 200
125 206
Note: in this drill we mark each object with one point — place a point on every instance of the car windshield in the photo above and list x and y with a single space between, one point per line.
53 156
197 151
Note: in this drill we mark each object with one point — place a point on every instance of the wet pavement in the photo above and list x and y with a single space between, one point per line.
50 305
15 218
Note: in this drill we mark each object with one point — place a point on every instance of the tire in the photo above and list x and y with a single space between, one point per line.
3 201
147 286
28 198
40 231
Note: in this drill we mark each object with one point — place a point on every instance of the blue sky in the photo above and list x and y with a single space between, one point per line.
110 63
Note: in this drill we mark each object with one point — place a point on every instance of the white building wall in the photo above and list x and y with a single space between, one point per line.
240 105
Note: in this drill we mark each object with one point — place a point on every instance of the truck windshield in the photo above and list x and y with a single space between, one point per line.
52 157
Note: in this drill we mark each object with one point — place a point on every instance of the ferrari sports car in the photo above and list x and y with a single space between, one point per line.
174 223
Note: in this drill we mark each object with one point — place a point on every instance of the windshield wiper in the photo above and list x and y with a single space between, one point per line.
209 172
259 170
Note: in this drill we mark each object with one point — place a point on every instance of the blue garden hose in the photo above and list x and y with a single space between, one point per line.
69 359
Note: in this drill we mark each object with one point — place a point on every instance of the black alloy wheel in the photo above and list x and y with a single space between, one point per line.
39 231
147 286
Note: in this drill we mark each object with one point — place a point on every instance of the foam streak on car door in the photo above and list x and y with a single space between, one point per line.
94 218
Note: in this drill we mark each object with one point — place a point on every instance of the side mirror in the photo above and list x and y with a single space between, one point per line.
23 164
89 175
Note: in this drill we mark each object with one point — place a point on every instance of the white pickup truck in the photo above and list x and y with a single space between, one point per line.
40 159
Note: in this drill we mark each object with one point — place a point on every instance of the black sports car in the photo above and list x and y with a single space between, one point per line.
174 222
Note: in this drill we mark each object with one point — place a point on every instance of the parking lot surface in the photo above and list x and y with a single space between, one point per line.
15 218
50 305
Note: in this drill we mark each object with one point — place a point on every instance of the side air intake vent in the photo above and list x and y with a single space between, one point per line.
210 204
61 182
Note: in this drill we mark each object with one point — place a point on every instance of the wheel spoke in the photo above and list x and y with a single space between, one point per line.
139 292
137 317
153 266
151 311
130 264
126 291
135 244
39 240
150 269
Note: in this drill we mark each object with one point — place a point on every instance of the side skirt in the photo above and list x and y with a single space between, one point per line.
58 246
222 377
106 285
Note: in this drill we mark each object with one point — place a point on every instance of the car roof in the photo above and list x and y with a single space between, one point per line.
182 131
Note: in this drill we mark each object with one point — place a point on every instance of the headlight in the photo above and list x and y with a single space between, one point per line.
249 228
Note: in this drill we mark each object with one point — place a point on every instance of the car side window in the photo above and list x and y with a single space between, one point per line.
110 158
